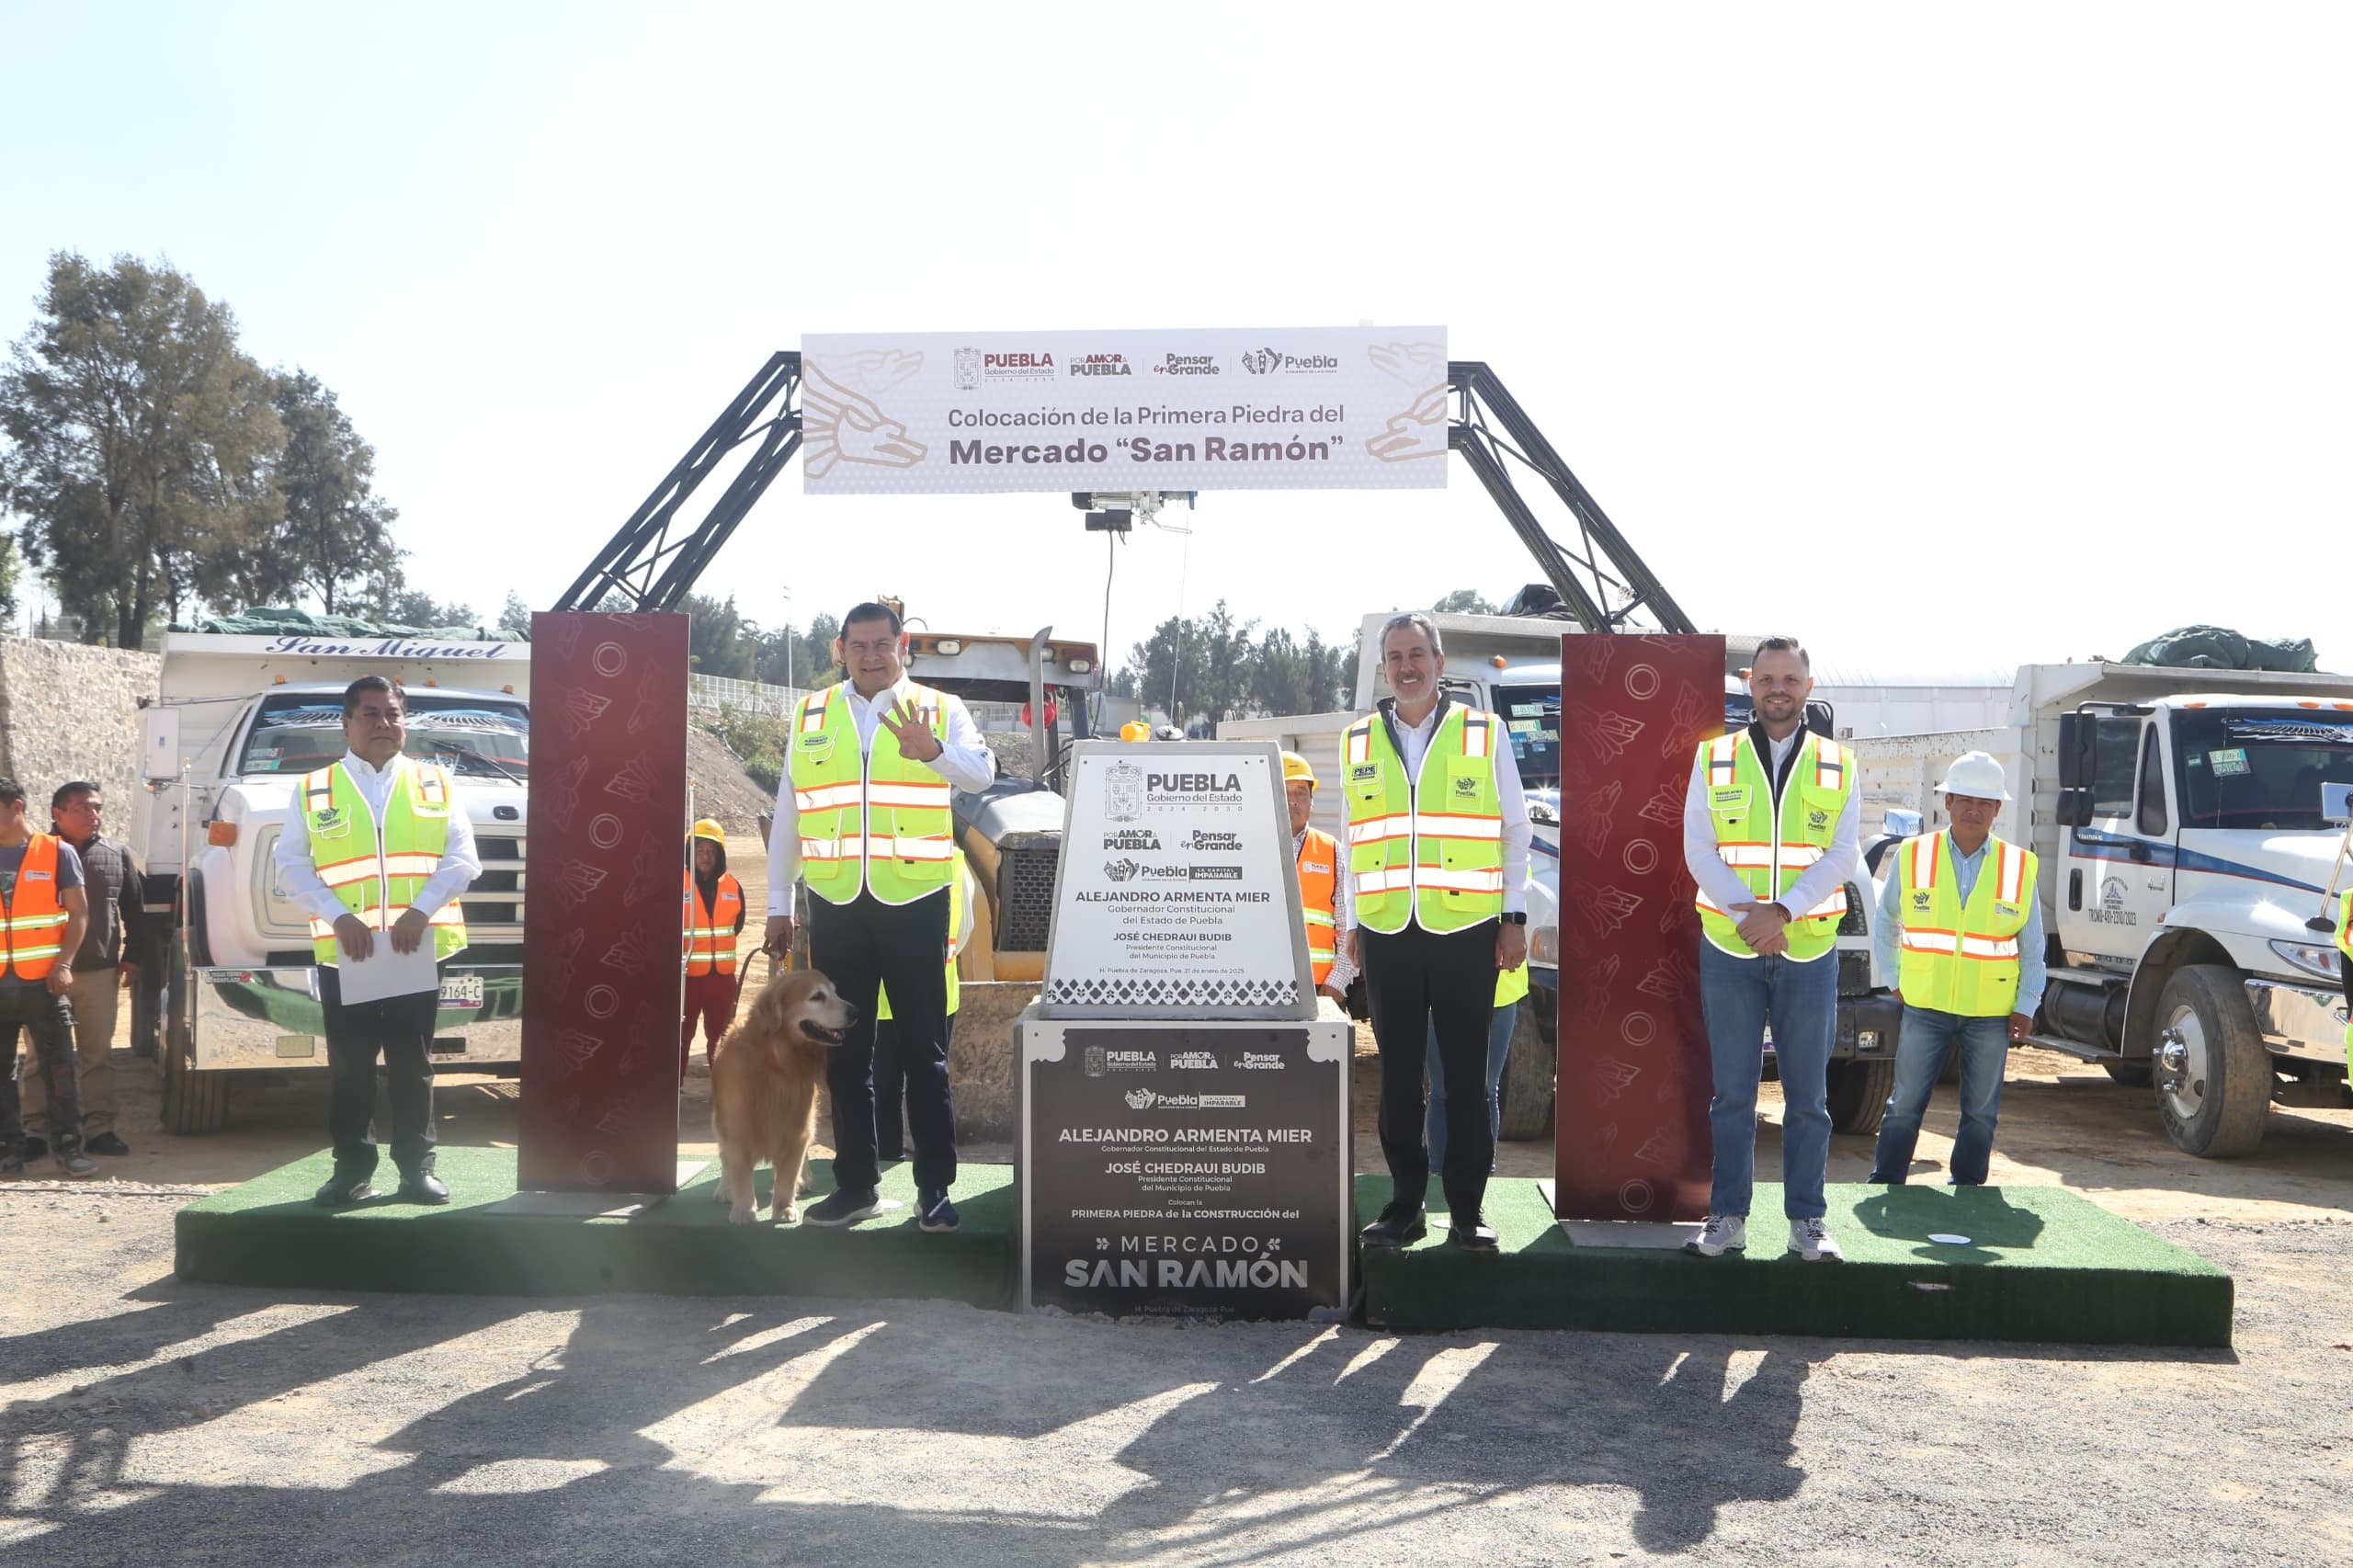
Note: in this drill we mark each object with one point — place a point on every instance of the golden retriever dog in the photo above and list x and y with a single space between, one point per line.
764 1082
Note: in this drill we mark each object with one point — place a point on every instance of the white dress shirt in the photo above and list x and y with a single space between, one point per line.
455 871
1414 743
1344 910
1723 884
966 762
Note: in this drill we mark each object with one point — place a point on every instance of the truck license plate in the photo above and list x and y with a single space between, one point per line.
462 991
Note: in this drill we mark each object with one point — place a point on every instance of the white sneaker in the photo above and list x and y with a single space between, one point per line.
1720 1233
1812 1240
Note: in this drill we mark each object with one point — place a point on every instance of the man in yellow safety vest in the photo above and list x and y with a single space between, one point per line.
379 851
1769 835
1961 928
1326 905
863 815
1438 849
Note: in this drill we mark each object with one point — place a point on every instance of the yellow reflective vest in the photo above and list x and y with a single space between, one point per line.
2345 965
1770 850
378 876
1957 958
955 947
870 819
1427 846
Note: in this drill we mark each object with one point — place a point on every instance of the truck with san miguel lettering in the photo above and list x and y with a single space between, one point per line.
238 720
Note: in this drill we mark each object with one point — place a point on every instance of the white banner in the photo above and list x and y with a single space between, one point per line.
1314 408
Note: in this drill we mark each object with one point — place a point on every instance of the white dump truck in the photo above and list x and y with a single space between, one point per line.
2187 831
236 723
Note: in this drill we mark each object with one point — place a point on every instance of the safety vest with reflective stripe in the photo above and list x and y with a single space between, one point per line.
955 947
870 820
378 876
1319 882
1963 958
35 921
711 933
1427 846
2345 965
1768 850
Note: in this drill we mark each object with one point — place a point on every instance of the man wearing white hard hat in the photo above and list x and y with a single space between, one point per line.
1961 918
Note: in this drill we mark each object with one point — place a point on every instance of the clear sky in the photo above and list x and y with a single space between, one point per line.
1949 338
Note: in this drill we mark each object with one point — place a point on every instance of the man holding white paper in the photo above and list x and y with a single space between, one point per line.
376 855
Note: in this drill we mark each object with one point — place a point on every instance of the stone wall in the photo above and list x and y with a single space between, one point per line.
72 712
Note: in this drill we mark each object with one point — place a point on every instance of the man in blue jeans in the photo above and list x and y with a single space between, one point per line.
1769 835
1961 916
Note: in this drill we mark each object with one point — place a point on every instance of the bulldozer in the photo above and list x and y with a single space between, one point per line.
1032 696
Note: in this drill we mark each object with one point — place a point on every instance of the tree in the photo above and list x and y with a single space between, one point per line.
141 441
12 565
415 607
515 617
1464 602
1291 676
721 642
793 657
334 526
1198 669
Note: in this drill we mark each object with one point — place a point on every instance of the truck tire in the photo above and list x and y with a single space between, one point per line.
1530 1072
2131 1075
194 1103
2214 1077
1859 1091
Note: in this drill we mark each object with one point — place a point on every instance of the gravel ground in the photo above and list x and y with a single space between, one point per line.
209 1423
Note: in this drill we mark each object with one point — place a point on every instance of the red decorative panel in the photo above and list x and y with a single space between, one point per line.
1631 1139
602 984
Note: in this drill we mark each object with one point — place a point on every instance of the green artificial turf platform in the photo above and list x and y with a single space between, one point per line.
2042 1265
489 1241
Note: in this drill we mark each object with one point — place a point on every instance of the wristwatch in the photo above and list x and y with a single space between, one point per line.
1517 917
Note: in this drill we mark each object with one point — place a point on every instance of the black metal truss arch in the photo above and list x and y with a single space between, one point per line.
653 561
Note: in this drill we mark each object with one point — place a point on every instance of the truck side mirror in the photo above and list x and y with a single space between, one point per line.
2076 732
2075 805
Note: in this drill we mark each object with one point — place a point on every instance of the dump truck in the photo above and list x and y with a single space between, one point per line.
236 724
2187 823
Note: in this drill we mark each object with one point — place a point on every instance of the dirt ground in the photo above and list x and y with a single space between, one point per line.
141 1419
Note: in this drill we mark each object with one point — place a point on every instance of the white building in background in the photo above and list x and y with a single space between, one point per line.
1868 702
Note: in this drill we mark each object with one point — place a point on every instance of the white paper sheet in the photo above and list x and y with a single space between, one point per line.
387 973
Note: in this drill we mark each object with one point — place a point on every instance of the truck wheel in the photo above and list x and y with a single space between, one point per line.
1859 1091
2214 1077
1529 1070
194 1103
2131 1075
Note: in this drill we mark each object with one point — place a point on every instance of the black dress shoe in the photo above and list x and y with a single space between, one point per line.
424 1186
105 1143
36 1146
1473 1234
343 1188
1399 1225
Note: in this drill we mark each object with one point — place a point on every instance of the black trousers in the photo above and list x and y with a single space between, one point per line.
891 1087
399 1028
1417 981
862 946
47 1021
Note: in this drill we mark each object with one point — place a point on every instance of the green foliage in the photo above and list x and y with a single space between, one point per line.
1212 669
515 617
335 530
415 607
141 445
758 738
1464 602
